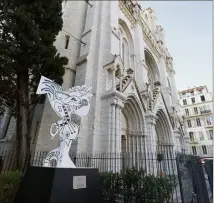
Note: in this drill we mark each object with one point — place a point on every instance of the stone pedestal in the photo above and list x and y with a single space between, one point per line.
60 185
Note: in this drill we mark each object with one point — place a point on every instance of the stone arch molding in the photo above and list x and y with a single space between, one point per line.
133 113
163 127
152 65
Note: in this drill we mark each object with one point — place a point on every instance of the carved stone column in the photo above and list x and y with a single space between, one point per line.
151 142
113 79
177 139
175 97
186 144
163 81
115 101
112 136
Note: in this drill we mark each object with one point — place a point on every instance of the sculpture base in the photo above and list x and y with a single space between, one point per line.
60 185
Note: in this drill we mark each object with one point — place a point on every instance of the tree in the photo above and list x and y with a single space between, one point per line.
27 51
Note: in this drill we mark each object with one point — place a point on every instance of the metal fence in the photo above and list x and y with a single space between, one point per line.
152 163
153 174
154 168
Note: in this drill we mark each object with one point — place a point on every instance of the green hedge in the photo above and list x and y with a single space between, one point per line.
134 185
8 186
131 184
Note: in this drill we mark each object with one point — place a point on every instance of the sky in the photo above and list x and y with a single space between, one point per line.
188 36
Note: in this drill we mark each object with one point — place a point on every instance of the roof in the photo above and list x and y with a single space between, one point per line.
193 88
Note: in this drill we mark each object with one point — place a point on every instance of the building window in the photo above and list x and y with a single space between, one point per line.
195 110
187 112
189 124
185 102
192 93
210 134
194 151
198 121
202 98
209 121
67 38
201 136
193 100
204 149
205 109
191 136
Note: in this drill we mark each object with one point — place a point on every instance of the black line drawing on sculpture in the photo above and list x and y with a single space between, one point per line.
66 103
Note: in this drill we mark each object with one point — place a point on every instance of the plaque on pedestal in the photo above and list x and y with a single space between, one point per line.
60 185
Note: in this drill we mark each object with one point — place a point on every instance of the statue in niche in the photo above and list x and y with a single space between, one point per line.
67 104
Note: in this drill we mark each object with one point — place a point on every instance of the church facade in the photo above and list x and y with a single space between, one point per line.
118 48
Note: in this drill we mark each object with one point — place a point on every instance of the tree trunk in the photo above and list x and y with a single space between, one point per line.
18 126
23 136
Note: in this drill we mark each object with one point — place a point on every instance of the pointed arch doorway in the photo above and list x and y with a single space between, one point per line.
164 141
132 133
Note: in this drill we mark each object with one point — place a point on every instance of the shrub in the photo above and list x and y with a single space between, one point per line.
8 186
157 188
135 186
111 185
131 183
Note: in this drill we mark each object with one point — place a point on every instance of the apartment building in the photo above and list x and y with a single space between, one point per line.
197 111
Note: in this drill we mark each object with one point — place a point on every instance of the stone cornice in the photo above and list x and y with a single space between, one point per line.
151 118
127 13
151 46
136 134
150 38
154 44
113 94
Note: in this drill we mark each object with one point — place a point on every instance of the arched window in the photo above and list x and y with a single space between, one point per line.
170 91
119 36
149 74
169 86
126 45
125 53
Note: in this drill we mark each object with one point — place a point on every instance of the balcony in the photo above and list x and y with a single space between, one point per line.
209 126
192 141
208 111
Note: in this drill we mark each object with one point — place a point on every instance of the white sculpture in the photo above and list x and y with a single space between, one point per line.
74 101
